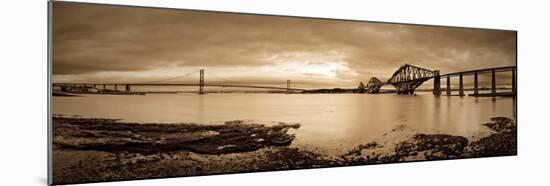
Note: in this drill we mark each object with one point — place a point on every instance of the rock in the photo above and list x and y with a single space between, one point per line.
501 143
441 145
114 136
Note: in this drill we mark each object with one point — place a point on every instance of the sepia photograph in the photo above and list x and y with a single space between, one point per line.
141 93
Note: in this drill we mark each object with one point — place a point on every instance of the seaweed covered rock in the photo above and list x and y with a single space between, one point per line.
503 142
293 158
432 146
114 136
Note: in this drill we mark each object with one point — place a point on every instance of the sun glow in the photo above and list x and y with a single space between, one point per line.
322 67
311 64
326 70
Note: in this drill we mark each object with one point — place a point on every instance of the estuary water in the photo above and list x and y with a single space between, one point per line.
329 122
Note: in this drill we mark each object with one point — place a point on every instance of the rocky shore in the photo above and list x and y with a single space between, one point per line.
91 150
502 142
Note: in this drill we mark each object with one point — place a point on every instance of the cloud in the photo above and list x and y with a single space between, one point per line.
90 40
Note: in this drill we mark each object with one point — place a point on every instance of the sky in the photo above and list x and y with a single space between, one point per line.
117 44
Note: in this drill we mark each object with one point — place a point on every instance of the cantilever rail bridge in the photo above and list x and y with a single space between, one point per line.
409 77
405 79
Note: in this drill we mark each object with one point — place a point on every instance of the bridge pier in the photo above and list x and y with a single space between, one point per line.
461 85
448 85
476 91
104 86
201 82
116 87
287 86
437 83
493 83
127 88
514 88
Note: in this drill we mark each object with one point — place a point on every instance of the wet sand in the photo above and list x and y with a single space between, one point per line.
92 149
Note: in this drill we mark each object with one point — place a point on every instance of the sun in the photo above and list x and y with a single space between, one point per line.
326 64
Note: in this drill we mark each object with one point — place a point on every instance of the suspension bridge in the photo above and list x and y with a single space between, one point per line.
127 87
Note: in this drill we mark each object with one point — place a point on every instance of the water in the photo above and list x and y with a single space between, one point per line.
329 122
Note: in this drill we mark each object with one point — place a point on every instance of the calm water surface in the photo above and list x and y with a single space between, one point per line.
329 122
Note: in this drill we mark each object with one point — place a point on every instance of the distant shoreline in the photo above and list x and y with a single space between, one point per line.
310 91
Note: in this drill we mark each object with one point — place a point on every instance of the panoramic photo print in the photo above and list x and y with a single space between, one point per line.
140 93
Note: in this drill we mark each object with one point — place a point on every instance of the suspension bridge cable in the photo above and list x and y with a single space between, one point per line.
224 80
168 79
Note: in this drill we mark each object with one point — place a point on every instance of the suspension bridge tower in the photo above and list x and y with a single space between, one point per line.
201 82
287 86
